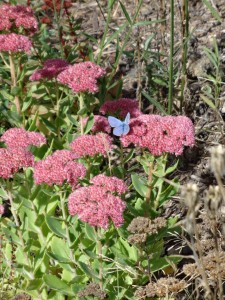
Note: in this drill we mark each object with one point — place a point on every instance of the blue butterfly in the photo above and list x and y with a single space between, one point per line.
120 127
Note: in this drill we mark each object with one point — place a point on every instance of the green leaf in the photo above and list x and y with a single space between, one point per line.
139 185
172 168
154 102
59 258
26 104
145 23
90 232
85 268
58 284
129 156
208 101
55 226
213 11
160 263
15 91
50 126
89 124
125 13
60 249
34 284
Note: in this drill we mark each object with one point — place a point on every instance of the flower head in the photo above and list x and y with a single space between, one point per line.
17 16
101 124
12 160
59 168
91 145
51 68
20 138
82 77
120 108
15 43
95 206
160 134
110 184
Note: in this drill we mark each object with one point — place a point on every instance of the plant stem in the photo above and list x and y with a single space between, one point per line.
81 106
105 32
149 191
68 240
122 159
14 81
99 252
126 39
185 34
162 26
170 95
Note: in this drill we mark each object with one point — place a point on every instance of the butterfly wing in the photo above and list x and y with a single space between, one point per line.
127 119
114 122
121 130
126 129
118 131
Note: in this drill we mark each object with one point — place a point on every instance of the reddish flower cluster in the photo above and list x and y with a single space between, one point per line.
94 205
15 43
13 159
2 209
16 156
51 68
110 184
91 145
20 138
101 124
59 168
82 77
160 134
119 108
17 16
56 4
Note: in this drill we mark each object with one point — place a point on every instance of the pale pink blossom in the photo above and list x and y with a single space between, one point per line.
15 43
12 160
51 68
82 77
110 183
59 168
119 108
95 206
2 209
91 145
17 16
19 137
160 134
101 124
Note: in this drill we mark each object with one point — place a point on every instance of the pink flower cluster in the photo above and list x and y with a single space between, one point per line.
91 145
52 67
16 156
101 124
17 16
2 209
82 77
59 168
20 138
15 43
119 108
110 184
160 134
13 159
96 206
